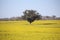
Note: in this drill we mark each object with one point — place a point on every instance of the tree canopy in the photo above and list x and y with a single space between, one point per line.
31 15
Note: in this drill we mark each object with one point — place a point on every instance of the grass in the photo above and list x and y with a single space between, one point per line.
22 30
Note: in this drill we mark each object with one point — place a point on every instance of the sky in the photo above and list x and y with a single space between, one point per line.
14 8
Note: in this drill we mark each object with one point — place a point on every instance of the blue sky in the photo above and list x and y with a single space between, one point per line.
13 8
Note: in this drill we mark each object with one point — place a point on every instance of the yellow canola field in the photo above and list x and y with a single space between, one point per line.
22 30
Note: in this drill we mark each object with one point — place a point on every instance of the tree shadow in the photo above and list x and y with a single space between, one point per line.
43 24
49 23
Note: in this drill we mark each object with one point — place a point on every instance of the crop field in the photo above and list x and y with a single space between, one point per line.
22 30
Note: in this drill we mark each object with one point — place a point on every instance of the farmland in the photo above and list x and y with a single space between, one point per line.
22 30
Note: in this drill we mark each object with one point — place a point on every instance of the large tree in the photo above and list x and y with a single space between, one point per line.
31 15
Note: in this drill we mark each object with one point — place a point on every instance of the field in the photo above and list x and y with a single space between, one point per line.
22 30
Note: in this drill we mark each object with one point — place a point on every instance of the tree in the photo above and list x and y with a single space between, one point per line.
53 16
31 15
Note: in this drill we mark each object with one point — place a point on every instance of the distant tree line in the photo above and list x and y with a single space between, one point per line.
31 15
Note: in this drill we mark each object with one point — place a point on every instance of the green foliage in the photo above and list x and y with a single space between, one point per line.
31 15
